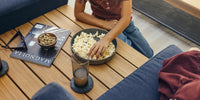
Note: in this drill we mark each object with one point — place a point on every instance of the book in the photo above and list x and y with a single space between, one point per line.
35 53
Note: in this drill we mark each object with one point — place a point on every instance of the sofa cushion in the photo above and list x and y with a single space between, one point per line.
7 6
53 91
142 84
27 13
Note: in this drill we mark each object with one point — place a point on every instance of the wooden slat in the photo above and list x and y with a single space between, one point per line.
194 3
9 91
63 22
130 54
190 6
121 66
106 75
69 12
42 20
123 49
19 72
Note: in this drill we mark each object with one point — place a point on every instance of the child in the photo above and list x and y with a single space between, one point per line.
113 15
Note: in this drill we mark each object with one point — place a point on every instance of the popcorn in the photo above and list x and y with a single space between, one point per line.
84 42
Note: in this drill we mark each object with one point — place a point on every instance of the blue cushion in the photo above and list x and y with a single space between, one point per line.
7 6
53 91
25 13
142 84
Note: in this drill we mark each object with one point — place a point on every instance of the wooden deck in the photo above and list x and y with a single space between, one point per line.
24 78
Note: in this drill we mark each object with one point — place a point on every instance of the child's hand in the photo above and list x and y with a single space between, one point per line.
99 47
110 24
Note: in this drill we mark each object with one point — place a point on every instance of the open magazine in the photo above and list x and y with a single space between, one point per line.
35 53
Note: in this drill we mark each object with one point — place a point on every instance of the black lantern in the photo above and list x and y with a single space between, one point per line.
3 67
81 81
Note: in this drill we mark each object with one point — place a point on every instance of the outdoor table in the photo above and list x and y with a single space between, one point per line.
24 78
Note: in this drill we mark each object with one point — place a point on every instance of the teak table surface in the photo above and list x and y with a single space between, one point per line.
24 79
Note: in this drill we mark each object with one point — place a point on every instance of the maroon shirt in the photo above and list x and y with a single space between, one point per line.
179 79
104 9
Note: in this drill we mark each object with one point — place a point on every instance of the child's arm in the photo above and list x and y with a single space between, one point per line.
100 46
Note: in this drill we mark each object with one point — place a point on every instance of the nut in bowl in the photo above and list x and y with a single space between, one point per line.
47 40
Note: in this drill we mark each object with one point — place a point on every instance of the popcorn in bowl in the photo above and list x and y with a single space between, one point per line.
84 41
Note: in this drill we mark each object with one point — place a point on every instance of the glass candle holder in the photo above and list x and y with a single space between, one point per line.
80 72
81 81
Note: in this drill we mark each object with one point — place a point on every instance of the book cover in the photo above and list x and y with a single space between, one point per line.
35 53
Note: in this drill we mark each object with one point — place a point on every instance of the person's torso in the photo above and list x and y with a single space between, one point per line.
105 9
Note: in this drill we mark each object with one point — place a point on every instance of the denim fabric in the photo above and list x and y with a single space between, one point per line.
132 36
142 84
53 91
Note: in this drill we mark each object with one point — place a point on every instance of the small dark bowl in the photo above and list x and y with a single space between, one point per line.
93 31
46 47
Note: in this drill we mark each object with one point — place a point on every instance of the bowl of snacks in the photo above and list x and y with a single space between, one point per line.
83 40
47 40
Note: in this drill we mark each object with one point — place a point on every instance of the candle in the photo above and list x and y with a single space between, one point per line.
81 81
80 77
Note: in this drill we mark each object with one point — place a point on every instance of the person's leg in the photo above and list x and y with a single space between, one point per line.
124 38
138 42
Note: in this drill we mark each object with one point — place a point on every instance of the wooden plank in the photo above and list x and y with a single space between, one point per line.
193 3
68 11
63 22
60 61
190 6
18 71
121 65
42 20
50 74
123 49
9 91
130 54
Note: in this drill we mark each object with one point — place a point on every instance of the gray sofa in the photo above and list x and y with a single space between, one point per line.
16 12
142 84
